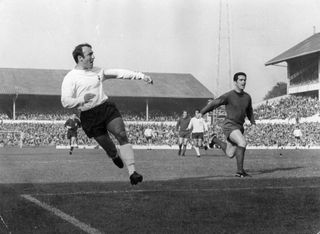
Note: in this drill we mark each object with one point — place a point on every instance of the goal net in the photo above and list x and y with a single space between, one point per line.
11 138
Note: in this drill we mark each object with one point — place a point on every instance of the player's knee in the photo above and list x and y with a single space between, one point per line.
122 137
242 144
230 154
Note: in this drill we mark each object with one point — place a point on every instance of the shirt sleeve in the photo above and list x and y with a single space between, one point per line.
205 125
177 125
222 100
190 125
122 74
67 94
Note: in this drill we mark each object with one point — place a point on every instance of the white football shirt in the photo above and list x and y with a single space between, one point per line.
78 82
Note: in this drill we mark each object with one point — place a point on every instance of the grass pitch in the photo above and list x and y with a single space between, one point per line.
44 190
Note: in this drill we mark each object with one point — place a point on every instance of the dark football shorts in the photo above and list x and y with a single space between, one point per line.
94 121
184 134
197 135
229 126
71 133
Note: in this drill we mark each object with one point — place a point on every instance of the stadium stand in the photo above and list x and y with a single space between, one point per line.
288 107
36 134
41 119
32 107
46 129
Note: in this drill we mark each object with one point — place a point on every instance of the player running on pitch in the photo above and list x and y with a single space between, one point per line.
148 133
198 127
72 125
82 88
183 132
238 105
298 136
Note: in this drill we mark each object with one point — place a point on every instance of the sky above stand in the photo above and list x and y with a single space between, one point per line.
174 36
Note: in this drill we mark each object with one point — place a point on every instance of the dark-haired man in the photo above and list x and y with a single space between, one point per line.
238 106
183 132
82 88
198 127
72 125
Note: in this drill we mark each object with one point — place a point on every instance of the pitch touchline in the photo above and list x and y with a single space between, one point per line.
172 190
84 227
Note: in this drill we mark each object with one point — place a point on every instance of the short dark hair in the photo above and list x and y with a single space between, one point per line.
78 51
235 77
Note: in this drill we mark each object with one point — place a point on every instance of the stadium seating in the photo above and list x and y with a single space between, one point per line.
37 133
289 107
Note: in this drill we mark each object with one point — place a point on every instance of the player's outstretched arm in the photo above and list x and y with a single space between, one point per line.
222 100
126 74
190 125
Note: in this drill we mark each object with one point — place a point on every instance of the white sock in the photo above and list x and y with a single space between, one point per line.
197 150
127 155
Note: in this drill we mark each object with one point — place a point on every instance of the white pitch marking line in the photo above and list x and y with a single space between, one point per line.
84 227
175 190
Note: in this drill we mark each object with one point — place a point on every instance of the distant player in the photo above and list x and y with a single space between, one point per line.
297 135
72 125
208 117
148 133
238 105
82 88
183 132
198 127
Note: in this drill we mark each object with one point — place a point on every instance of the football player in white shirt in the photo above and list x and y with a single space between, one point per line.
297 135
148 133
82 88
198 127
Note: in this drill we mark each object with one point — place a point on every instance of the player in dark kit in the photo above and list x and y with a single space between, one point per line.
238 106
72 124
184 133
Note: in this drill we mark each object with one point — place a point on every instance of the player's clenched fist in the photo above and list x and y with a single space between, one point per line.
148 79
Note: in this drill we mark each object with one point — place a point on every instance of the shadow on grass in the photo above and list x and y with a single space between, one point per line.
271 170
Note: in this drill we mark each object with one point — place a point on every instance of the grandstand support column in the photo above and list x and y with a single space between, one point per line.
15 97
318 79
288 78
147 110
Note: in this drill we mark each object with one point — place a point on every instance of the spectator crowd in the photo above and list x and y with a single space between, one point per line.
277 134
35 134
289 107
65 114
